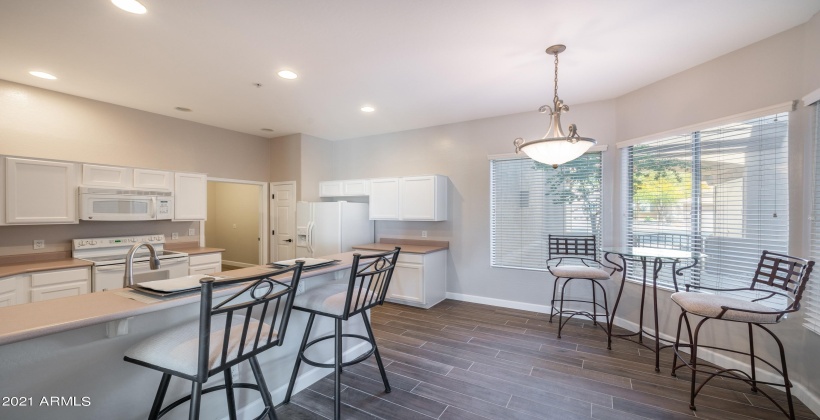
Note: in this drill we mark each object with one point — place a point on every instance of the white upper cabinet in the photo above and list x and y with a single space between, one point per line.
106 176
330 189
149 179
384 199
423 198
412 198
40 191
190 196
345 188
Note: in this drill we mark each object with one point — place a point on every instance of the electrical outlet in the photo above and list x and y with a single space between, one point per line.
191 232
39 244
175 235
235 373
424 234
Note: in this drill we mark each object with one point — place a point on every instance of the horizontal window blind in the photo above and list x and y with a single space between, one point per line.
721 191
811 302
530 201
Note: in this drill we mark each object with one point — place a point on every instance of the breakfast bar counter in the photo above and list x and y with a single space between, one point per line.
73 348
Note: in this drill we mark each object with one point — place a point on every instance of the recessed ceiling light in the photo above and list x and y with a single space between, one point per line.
287 74
183 109
368 108
267 129
130 6
42 75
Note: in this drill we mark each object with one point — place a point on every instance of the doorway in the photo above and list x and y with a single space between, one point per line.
283 220
237 219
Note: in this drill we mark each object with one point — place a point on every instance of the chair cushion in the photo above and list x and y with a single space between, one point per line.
176 349
330 298
579 272
709 305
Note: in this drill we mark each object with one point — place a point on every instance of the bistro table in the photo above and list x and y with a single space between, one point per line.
659 257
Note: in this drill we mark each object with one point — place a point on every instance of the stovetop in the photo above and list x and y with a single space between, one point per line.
140 256
110 251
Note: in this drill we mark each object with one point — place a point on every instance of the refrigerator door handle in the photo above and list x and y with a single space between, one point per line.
310 238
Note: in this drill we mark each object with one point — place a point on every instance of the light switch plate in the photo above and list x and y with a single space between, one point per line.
191 232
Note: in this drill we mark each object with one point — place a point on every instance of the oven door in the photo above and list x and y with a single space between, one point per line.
117 207
110 277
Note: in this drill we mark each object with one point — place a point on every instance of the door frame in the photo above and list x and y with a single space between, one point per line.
263 216
272 215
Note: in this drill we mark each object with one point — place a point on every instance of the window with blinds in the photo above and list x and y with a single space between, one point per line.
530 200
811 297
721 191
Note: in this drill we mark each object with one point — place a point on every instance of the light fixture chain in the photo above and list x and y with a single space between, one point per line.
555 98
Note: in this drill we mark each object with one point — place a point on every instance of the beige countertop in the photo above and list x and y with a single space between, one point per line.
51 261
409 246
31 320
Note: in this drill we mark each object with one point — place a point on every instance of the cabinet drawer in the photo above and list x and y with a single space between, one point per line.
58 277
411 258
212 258
8 284
205 269
62 290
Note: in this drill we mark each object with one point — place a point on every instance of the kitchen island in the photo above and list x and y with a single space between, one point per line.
72 349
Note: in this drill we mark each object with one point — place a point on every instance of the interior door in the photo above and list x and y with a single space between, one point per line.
283 220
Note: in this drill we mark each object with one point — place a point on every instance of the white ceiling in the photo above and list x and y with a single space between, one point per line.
420 63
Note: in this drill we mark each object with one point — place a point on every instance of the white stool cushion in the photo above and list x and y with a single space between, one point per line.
177 349
579 272
709 305
330 298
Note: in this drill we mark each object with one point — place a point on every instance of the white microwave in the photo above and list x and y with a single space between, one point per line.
103 204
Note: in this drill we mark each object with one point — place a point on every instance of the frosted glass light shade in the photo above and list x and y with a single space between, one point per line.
556 151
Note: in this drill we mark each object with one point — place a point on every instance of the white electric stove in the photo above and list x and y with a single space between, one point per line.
108 256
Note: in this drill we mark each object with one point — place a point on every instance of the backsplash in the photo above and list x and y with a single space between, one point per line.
15 240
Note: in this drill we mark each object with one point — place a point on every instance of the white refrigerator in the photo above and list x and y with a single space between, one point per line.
331 227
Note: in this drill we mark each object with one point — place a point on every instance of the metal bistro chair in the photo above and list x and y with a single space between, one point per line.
225 335
583 249
778 277
369 279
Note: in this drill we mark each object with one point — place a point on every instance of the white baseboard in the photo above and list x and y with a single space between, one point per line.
238 264
307 378
499 302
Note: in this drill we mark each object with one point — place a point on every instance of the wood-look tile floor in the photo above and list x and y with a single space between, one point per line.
462 360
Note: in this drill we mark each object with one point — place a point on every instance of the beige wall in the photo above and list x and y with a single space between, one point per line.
285 158
318 160
233 221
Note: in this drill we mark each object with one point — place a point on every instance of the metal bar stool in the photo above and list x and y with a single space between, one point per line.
367 287
779 278
225 335
583 249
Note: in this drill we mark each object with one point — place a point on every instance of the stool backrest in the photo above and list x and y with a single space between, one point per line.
264 296
782 275
369 279
572 246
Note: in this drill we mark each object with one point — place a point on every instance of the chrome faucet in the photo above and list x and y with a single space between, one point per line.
128 279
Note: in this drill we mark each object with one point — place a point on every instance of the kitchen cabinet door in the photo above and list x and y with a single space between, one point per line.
106 176
39 294
8 291
205 263
190 196
40 191
330 188
407 284
423 198
384 199
148 179
356 188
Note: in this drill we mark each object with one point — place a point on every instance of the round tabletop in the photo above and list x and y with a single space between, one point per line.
645 252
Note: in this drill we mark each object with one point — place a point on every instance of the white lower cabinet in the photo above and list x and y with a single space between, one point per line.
47 285
205 263
10 293
419 279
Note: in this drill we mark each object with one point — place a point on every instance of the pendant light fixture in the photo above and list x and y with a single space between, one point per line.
556 147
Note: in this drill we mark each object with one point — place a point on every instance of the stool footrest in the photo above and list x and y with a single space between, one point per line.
187 398
358 359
